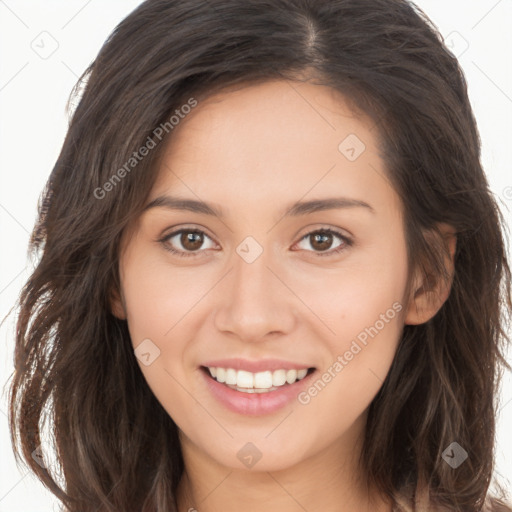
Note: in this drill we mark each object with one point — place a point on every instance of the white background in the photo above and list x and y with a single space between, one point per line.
33 122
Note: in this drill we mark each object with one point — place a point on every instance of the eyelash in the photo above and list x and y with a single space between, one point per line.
347 242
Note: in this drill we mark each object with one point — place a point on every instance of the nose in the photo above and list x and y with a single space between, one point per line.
253 302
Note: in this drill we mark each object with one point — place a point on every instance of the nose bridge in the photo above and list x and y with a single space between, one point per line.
253 301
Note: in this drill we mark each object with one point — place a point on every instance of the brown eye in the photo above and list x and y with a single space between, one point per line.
322 240
185 242
191 241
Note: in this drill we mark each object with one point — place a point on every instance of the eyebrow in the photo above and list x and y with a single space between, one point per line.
294 210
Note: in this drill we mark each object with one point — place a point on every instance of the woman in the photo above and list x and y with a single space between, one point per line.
271 269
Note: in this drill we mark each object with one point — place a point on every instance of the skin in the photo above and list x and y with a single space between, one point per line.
254 151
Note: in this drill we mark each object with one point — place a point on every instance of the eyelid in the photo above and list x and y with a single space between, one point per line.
174 230
347 241
165 238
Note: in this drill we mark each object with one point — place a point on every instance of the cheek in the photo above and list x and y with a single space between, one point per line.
360 356
159 298
163 313
353 295
361 307
159 305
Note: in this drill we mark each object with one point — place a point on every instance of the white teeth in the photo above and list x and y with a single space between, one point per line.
221 375
301 374
244 379
279 377
263 380
291 376
254 382
231 376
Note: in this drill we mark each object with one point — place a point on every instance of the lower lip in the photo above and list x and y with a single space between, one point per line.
254 404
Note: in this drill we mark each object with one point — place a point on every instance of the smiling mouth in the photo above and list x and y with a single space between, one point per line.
263 382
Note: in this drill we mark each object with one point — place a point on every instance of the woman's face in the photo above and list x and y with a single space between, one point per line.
259 286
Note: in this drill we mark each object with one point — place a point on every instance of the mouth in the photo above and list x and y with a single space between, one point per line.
254 394
255 387
256 383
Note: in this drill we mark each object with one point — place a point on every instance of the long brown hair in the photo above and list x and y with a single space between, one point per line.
116 447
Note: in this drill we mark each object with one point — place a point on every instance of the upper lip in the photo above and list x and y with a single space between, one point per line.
256 366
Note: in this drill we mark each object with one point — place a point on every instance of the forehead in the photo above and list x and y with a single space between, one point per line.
272 113
277 140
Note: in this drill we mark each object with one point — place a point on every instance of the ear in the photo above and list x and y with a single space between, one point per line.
429 293
117 306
